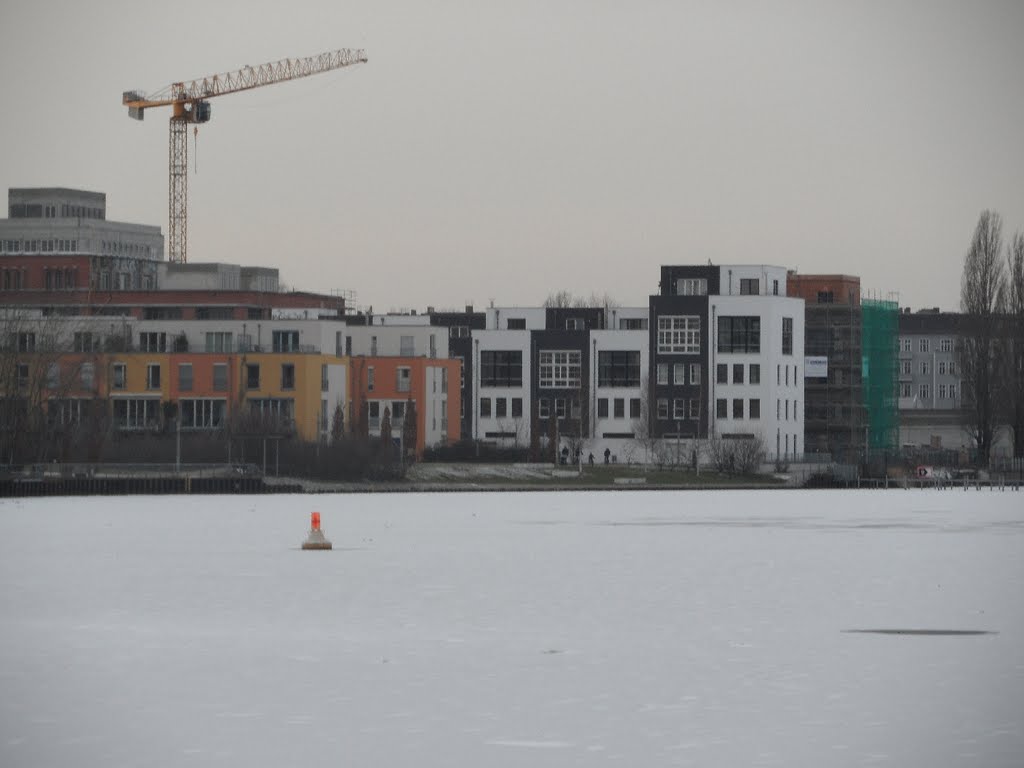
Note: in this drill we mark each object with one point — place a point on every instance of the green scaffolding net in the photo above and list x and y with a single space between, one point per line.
879 367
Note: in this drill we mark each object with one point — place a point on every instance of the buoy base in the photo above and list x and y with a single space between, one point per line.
316 540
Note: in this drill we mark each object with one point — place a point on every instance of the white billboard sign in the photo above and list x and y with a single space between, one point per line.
815 367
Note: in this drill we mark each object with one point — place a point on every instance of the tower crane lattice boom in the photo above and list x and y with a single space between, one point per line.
189 104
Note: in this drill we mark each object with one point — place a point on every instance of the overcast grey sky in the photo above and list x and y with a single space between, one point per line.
507 150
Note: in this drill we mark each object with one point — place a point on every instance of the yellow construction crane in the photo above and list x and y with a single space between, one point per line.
189 103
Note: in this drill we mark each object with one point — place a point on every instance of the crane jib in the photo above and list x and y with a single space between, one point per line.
188 100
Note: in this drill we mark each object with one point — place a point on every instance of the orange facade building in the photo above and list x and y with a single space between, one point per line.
387 384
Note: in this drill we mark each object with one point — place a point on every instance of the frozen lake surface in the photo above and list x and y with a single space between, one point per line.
542 629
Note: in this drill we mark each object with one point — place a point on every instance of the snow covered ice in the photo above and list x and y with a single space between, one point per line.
535 629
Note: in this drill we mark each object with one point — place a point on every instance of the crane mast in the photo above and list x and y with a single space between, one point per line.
189 105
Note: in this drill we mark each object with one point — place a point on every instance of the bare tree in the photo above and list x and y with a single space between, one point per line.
48 371
1015 348
740 456
568 300
410 430
338 423
643 427
982 300
559 299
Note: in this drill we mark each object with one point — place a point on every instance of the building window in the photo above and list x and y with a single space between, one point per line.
324 381
602 408
662 407
952 368
444 381
119 376
500 407
285 341
205 413
923 345
905 390
826 297
679 409
517 407
275 409
695 373
633 324
694 408
737 408
575 324
737 373
373 346
403 379
755 373
787 335
775 287
218 341
515 324
220 377
755 408
543 408
185 377
945 345
619 407
749 286
501 368
252 376
153 342
87 376
679 334
905 345
662 373
560 369
634 407
942 367
924 367
722 371
952 391
458 332
406 346
942 391
925 392
739 334
136 413
618 369
905 367
679 373
52 376
722 408
287 376
692 286
559 407
86 342
370 378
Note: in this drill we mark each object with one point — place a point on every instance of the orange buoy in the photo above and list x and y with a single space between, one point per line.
316 538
